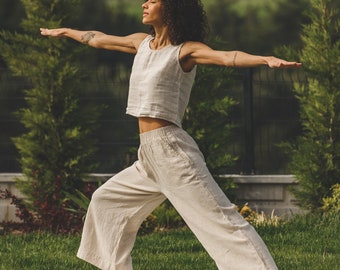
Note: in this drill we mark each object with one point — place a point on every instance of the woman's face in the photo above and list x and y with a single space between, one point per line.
152 12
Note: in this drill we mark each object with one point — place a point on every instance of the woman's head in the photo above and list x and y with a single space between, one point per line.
185 19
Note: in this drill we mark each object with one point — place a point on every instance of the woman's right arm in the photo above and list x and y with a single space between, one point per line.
96 39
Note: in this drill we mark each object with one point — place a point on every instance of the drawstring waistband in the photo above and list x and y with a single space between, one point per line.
157 133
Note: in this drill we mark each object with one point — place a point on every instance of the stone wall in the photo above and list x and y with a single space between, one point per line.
7 210
267 193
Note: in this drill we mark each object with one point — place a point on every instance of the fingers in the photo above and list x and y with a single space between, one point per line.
51 32
279 63
275 62
44 31
290 64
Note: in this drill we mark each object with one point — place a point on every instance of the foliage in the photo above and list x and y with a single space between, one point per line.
241 29
258 219
163 217
316 153
80 200
57 142
103 75
207 117
30 221
257 26
69 220
332 203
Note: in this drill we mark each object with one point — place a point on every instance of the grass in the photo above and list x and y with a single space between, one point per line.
311 242
306 243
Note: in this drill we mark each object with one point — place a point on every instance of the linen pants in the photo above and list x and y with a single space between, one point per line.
171 166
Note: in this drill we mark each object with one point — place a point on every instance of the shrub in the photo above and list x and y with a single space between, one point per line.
58 139
316 153
332 204
61 221
258 219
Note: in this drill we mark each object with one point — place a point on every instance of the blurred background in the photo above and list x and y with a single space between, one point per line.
266 113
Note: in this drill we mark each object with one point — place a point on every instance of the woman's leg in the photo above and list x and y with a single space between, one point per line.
116 211
184 178
228 238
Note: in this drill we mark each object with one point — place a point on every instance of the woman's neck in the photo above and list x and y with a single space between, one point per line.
161 39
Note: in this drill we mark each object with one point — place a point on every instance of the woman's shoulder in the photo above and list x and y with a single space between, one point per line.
194 45
189 53
190 47
139 38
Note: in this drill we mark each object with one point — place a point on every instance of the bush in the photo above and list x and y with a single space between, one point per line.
258 219
61 221
332 204
316 153
58 140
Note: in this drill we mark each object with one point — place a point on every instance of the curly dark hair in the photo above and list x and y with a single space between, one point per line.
186 20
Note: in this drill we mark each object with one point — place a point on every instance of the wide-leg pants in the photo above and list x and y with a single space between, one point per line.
169 165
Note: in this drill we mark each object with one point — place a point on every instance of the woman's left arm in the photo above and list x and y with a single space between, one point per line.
198 53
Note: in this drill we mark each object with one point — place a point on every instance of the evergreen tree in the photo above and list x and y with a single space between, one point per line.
316 155
57 141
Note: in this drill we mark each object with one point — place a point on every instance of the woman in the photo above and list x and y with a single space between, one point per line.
169 164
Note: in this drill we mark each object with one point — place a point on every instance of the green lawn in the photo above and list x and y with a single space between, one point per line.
304 243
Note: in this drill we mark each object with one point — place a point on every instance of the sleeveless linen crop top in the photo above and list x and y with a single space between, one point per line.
159 88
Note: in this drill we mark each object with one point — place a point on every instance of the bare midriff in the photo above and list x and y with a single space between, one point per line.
147 124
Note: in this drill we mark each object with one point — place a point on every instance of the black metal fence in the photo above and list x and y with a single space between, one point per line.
267 115
270 117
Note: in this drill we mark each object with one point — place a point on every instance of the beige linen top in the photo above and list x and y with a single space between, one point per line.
159 88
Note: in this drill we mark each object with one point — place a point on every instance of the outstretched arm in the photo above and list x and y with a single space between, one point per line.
194 53
96 39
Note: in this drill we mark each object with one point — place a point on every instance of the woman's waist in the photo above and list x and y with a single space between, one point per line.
148 124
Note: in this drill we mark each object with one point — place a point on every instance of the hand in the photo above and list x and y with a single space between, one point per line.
274 62
59 32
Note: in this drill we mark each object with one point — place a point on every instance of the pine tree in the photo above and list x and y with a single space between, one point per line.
316 155
57 142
